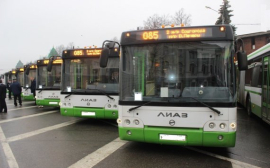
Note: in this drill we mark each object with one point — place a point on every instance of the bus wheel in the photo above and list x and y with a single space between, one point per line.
249 107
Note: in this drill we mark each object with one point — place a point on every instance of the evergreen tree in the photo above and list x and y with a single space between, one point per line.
19 64
225 15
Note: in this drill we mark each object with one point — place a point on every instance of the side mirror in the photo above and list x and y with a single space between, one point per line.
27 70
103 60
49 66
242 61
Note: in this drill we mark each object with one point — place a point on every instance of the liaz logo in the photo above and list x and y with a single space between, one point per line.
167 114
86 100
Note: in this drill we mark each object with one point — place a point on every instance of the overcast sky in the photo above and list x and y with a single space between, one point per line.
30 28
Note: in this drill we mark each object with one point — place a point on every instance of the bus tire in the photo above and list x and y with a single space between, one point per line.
249 106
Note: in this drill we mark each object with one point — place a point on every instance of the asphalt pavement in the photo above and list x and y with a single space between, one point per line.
41 137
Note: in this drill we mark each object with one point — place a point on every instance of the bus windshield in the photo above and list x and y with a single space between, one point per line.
176 71
49 80
85 75
27 78
20 78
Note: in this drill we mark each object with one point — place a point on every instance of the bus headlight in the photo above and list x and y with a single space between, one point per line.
212 125
127 121
109 106
60 104
233 125
222 125
136 122
119 120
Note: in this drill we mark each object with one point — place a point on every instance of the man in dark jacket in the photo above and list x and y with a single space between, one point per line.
16 90
8 88
3 92
33 87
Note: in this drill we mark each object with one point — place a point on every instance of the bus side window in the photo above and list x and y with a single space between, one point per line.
248 77
256 75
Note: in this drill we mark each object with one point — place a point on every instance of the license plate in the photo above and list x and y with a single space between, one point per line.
88 113
53 102
172 137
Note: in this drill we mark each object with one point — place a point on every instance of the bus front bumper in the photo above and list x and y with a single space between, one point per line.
48 102
91 112
178 136
29 97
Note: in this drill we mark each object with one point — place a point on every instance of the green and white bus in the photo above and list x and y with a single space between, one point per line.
177 86
87 90
20 75
29 72
254 86
48 82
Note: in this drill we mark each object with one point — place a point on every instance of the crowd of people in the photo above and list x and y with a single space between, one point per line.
14 88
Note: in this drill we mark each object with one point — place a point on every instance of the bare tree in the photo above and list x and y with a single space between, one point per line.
60 49
70 45
156 21
181 17
115 39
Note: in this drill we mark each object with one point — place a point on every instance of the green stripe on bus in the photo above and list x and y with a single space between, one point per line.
256 110
257 51
253 92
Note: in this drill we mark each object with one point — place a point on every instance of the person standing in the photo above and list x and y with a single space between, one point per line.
3 93
9 90
33 87
16 90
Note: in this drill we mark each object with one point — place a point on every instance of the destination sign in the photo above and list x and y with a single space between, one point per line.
181 33
57 61
86 52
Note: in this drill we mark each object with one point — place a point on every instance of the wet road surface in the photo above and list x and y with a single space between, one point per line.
41 137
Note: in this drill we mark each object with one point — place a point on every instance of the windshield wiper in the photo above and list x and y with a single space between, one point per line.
68 95
215 110
103 93
40 91
134 108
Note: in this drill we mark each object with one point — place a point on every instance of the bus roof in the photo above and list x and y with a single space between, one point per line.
260 51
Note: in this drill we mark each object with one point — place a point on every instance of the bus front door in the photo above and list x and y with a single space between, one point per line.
266 90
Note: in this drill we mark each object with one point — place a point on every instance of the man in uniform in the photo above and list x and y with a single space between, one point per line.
8 87
3 92
16 90
33 87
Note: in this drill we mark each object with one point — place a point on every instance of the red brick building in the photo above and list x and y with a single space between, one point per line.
254 41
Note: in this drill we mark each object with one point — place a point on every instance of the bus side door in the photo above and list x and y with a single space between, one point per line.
266 90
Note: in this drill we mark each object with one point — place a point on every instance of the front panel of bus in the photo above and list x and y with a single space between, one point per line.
48 83
88 90
27 95
169 77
